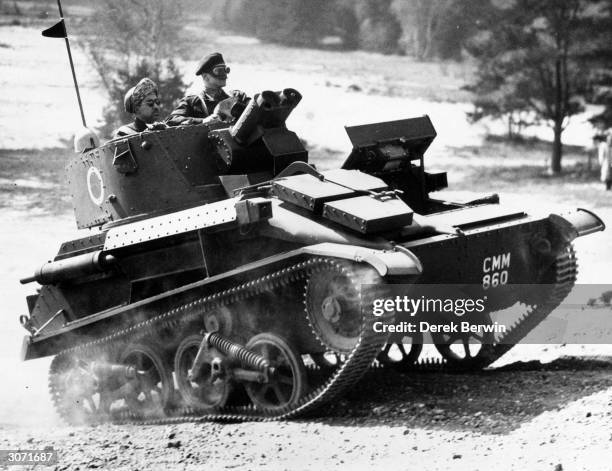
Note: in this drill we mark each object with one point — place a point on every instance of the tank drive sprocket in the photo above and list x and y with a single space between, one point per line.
559 279
557 283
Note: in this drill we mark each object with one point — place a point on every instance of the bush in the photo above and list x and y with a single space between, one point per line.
132 40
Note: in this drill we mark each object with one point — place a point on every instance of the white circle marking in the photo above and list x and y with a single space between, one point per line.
97 199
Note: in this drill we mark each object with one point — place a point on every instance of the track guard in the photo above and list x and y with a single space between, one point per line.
396 262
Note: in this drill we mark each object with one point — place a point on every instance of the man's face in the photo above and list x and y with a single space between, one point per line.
149 109
217 78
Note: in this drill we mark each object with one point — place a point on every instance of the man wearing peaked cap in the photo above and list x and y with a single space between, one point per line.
209 62
195 109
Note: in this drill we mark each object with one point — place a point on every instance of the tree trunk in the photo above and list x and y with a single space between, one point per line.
559 115
557 152
419 36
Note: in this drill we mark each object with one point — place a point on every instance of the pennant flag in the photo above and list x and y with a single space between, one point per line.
58 30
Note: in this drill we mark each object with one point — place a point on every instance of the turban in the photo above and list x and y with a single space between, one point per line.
135 95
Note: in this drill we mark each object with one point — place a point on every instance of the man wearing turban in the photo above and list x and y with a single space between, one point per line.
196 109
142 101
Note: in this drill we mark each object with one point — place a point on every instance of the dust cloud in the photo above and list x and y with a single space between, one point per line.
25 243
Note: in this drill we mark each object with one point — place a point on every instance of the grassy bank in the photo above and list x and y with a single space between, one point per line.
34 180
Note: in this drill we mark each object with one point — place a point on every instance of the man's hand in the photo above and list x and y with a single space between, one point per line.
240 95
211 118
158 125
191 121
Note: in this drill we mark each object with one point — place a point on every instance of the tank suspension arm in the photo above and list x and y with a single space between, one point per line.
107 372
232 350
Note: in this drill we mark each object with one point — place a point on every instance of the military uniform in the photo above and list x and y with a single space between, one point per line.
133 128
203 105
195 106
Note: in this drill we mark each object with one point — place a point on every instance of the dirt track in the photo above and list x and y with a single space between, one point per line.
541 418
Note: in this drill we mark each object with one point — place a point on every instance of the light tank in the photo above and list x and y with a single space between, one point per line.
220 274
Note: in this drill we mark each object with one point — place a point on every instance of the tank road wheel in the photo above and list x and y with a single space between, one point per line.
333 306
402 356
207 390
287 383
466 351
150 391
75 391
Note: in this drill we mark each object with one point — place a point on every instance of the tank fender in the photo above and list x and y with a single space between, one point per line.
395 262
577 223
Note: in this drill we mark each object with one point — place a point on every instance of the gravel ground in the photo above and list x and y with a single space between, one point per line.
525 416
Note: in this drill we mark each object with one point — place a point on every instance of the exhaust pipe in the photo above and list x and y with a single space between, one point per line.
577 223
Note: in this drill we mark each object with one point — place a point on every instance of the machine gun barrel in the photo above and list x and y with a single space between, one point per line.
74 267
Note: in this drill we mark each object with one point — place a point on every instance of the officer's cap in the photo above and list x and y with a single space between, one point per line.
209 62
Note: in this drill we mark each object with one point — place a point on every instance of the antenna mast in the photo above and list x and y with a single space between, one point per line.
59 31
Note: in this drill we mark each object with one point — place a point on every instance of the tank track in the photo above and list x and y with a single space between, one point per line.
566 270
347 373
357 362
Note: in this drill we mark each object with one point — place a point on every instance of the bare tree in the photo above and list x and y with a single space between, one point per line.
125 33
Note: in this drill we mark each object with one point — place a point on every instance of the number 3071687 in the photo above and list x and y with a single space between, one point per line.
44 457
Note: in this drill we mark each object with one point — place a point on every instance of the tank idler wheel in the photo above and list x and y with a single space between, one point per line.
286 383
76 393
402 356
466 351
211 388
150 392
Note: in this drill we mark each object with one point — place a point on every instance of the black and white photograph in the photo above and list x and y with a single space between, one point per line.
306 235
